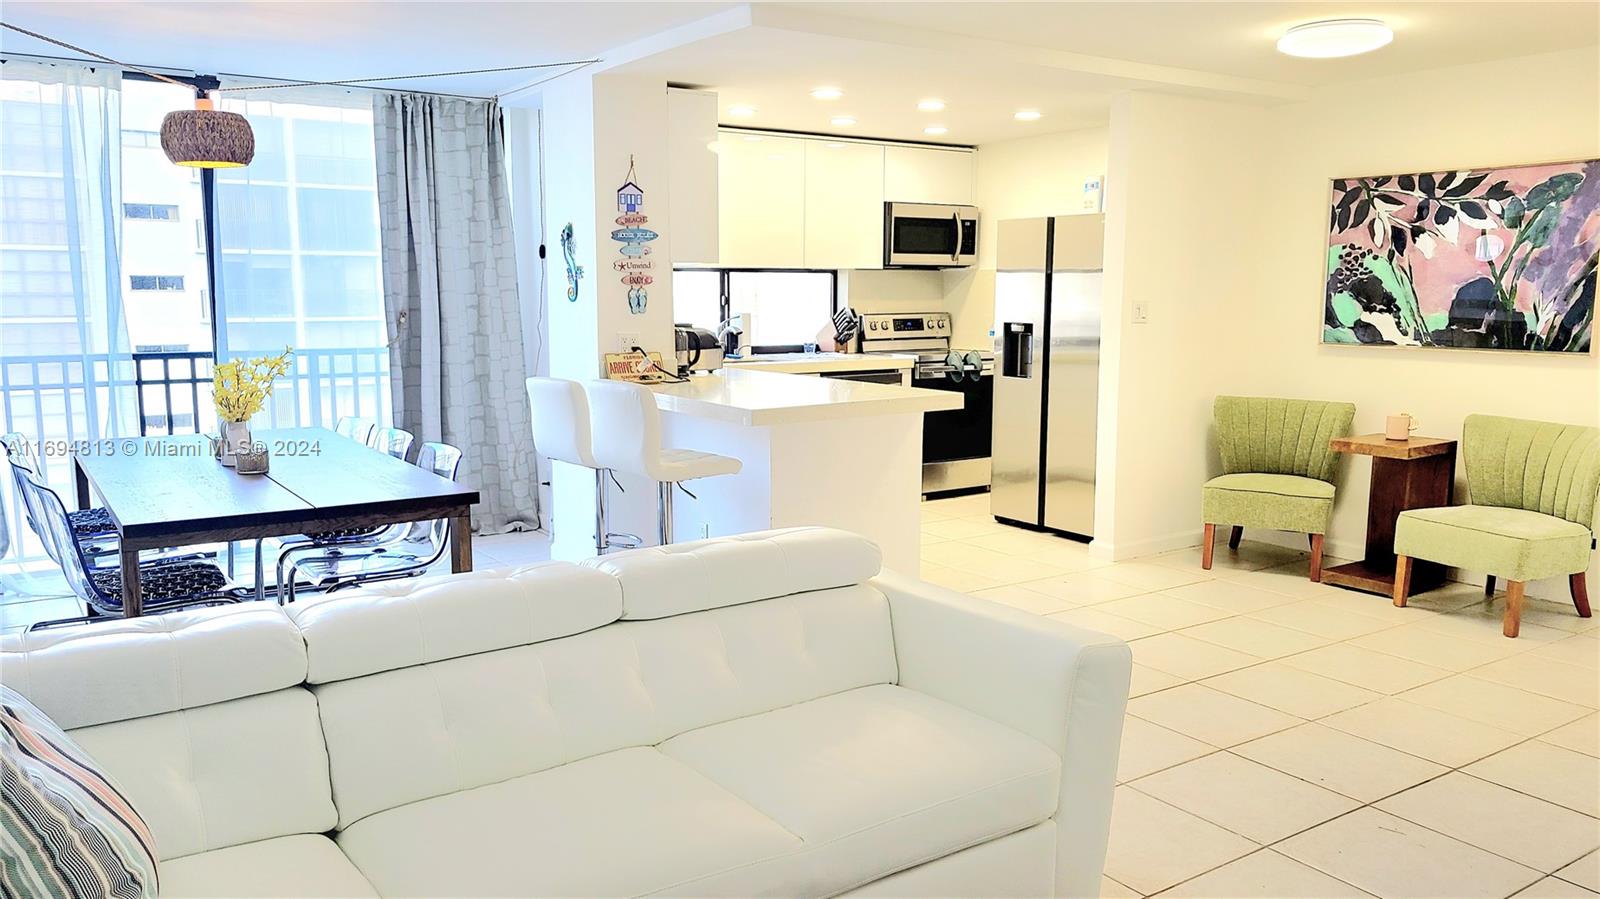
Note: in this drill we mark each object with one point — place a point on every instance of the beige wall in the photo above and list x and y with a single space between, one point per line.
1218 219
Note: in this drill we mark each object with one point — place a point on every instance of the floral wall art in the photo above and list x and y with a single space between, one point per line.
1484 258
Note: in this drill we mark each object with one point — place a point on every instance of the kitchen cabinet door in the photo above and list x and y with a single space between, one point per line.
926 175
692 176
761 198
844 205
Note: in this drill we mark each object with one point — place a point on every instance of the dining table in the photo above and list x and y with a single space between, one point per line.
172 491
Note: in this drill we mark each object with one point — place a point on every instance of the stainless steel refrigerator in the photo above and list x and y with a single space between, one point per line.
1047 290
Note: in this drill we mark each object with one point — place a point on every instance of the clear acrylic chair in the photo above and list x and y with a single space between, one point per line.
165 584
402 550
357 429
394 441
91 526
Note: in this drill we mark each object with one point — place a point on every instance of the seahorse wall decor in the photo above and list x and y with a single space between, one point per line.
574 270
635 264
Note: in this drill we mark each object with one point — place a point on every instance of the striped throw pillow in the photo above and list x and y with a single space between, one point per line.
67 831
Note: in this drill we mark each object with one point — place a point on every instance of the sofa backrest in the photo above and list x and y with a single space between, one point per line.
433 687
1266 435
200 716
1541 466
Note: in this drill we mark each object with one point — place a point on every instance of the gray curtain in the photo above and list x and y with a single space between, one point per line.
450 290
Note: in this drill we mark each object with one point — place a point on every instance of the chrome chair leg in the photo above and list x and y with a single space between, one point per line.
664 524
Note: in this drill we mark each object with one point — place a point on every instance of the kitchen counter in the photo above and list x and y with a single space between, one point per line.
749 397
816 363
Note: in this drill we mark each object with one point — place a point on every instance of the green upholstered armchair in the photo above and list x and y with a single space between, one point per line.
1533 486
1277 469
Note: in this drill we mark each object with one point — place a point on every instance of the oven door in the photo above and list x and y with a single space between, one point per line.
956 442
920 235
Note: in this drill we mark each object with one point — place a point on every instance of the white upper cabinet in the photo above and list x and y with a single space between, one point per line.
926 175
844 205
761 196
692 174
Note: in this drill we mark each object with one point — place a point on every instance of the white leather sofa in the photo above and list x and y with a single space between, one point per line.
757 716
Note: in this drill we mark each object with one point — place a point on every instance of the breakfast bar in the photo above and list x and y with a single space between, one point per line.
816 451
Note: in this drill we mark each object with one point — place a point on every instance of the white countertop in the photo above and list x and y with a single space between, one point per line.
758 398
820 362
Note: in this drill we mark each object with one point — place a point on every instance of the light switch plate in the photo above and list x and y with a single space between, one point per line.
1141 313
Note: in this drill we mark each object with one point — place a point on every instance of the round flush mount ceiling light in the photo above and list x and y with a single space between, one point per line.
827 93
935 130
842 121
741 112
1335 37
932 104
1027 115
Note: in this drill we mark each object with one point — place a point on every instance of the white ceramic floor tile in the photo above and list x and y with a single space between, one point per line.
1554 888
1389 856
1187 657
1366 668
1554 774
1258 638
1069 557
1019 596
1151 577
1149 680
1115 625
1505 822
1292 579
1485 622
1154 845
1245 797
23 614
957 528
1333 620
1584 872
1208 715
1571 683
1291 690
1429 733
1251 555
1230 595
1083 588
1582 651
1340 762
1430 647
1148 748
1544 613
955 578
1582 735
1110 889
1162 610
1497 705
1264 875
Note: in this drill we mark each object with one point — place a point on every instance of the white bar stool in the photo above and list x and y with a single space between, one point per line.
627 437
561 431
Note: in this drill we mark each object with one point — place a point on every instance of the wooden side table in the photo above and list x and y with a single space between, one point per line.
1415 473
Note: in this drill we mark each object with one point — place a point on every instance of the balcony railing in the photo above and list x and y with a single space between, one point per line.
55 400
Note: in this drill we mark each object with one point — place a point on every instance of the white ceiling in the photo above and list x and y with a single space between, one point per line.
984 59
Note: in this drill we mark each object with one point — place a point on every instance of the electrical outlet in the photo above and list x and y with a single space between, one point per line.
627 340
1141 313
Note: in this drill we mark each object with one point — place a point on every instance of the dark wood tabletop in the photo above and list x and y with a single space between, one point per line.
171 491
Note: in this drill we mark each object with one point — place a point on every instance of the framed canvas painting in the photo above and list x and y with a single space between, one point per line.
1500 259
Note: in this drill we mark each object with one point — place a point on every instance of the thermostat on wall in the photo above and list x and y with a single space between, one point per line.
1094 197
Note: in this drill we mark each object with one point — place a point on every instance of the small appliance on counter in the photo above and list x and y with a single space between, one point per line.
955 443
735 336
698 350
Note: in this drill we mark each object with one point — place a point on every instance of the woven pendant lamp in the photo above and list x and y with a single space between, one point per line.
207 138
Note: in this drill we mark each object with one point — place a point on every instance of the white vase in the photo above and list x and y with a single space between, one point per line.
235 439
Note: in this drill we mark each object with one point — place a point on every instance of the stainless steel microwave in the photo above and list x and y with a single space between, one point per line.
924 235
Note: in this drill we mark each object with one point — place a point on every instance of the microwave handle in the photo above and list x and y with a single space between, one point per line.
955 246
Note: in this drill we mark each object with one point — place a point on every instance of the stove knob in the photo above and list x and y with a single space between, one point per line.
873 326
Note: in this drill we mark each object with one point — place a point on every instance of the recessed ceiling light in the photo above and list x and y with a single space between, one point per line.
932 104
1027 115
741 112
827 93
935 129
1335 37
842 121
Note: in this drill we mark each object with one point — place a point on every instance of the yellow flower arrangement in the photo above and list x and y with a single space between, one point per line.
239 388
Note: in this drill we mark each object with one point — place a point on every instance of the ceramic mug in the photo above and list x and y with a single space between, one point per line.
1399 427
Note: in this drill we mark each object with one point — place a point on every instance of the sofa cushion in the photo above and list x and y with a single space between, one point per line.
427 730
66 827
299 866
624 823
223 774
872 780
1515 544
412 622
660 581
1283 502
137 667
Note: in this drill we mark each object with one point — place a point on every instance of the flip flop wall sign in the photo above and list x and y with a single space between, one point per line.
574 270
635 264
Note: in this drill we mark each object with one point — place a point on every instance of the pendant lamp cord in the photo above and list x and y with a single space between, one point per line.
347 82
